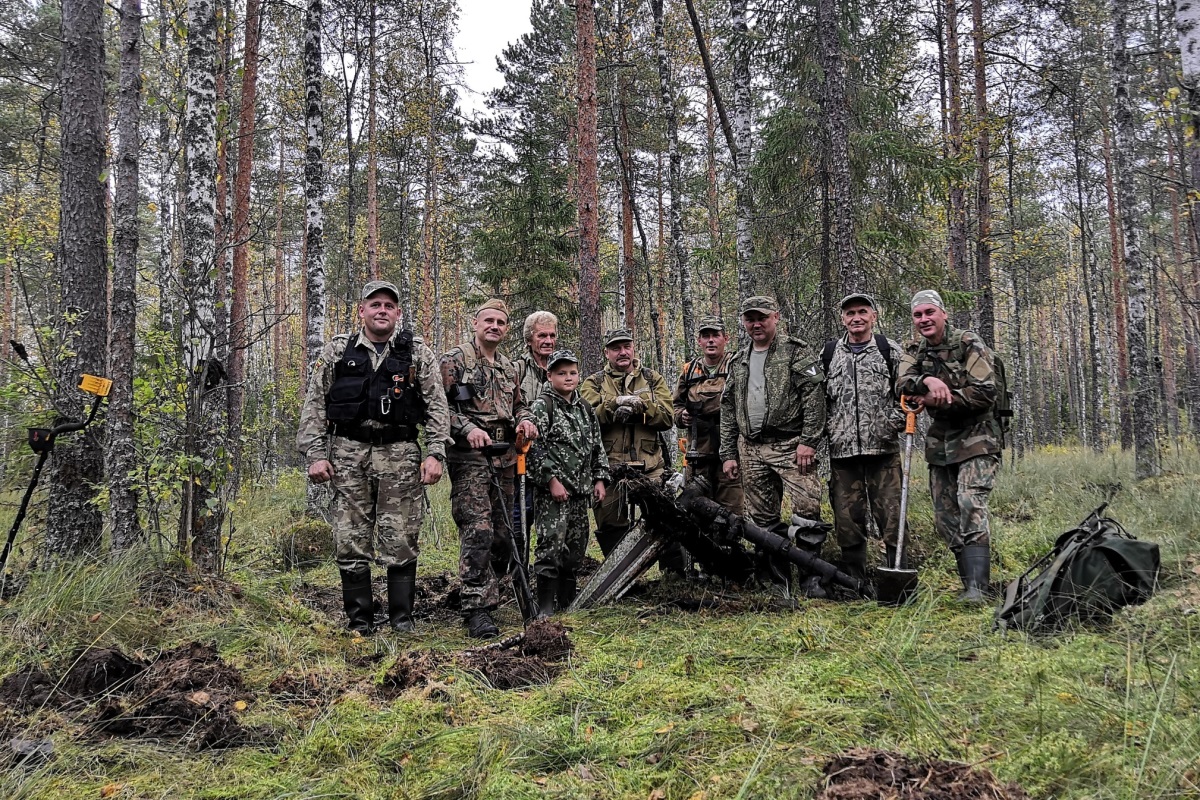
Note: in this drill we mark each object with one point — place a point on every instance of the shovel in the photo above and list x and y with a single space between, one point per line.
894 585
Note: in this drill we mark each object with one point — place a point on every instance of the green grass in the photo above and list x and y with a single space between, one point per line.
698 705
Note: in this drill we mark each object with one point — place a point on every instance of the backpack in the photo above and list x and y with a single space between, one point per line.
1002 411
1092 571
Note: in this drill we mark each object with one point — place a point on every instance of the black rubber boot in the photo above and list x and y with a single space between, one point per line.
358 602
547 595
480 625
975 567
568 587
854 561
402 588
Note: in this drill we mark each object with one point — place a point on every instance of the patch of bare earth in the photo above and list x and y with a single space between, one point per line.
867 774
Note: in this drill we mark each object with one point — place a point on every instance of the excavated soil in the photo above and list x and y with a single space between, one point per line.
26 689
866 774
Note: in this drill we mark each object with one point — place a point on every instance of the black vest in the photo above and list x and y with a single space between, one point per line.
389 394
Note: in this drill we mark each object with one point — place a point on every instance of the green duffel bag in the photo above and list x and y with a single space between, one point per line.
1092 571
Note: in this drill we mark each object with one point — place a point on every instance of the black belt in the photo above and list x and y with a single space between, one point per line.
376 436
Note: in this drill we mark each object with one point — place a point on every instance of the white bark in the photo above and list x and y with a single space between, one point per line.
742 137
314 187
1187 24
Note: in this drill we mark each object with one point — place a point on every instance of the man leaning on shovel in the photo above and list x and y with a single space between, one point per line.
949 372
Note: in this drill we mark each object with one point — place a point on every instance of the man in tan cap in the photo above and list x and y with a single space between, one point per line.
697 404
772 419
367 394
487 413
633 405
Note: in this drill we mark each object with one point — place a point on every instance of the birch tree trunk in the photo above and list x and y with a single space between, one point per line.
372 158
1141 383
121 455
77 468
201 511
314 214
957 224
167 275
588 185
742 127
674 179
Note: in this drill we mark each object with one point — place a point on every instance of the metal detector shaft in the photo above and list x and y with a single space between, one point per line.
910 432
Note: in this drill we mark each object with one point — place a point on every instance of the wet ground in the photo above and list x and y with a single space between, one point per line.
866 774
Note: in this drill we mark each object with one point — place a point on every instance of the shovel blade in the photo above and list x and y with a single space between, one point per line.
895 586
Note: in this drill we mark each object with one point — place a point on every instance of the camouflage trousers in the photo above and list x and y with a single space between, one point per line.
721 490
481 503
768 469
562 535
612 516
862 486
378 503
960 497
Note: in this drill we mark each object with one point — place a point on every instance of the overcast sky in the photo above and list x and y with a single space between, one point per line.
485 27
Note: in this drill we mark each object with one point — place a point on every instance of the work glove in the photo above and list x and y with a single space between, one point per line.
623 414
632 401
674 483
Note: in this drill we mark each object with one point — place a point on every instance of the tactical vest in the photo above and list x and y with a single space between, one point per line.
952 371
706 422
389 394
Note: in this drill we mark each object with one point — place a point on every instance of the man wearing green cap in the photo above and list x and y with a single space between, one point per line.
367 394
863 420
487 414
951 374
633 404
772 419
697 405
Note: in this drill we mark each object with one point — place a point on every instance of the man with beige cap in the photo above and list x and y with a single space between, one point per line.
487 414
772 419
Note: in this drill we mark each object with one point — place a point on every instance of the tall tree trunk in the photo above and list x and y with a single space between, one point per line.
1120 312
682 269
1187 24
1093 409
167 275
201 512
742 127
985 306
957 226
710 76
314 212
835 107
121 455
279 295
239 339
1020 378
1145 435
223 227
713 206
372 158
588 197
77 469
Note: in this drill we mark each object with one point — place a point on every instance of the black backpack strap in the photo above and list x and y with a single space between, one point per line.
827 354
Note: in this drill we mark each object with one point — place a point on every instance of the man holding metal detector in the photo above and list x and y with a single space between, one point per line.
697 404
488 415
951 374
368 393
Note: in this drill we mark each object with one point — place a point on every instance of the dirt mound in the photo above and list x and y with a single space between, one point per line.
410 670
97 671
546 639
26 689
866 774
508 669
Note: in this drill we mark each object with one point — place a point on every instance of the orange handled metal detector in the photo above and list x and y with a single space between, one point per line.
523 451
895 584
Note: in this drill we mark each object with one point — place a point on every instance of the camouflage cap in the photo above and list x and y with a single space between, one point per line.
380 286
927 297
760 303
710 323
495 303
865 299
561 355
617 335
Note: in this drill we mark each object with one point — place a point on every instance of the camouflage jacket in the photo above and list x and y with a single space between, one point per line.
530 375
569 446
863 414
637 440
966 428
312 439
701 387
795 402
497 405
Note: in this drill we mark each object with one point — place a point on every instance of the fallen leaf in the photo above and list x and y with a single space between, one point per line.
639 664
670 726
585 774
111 789
240 705
199 698
654 758
95 617
749 725
658 794
699 794
406 759
540 781
587 733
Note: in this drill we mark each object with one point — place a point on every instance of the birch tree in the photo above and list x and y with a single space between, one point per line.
587 184
742 125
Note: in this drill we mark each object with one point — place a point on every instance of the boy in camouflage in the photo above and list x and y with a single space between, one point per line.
570 469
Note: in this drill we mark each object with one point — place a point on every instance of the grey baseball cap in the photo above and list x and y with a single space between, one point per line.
927 297
380 286
865 299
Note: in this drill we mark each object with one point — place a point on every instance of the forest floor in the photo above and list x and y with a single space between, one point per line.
139 680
